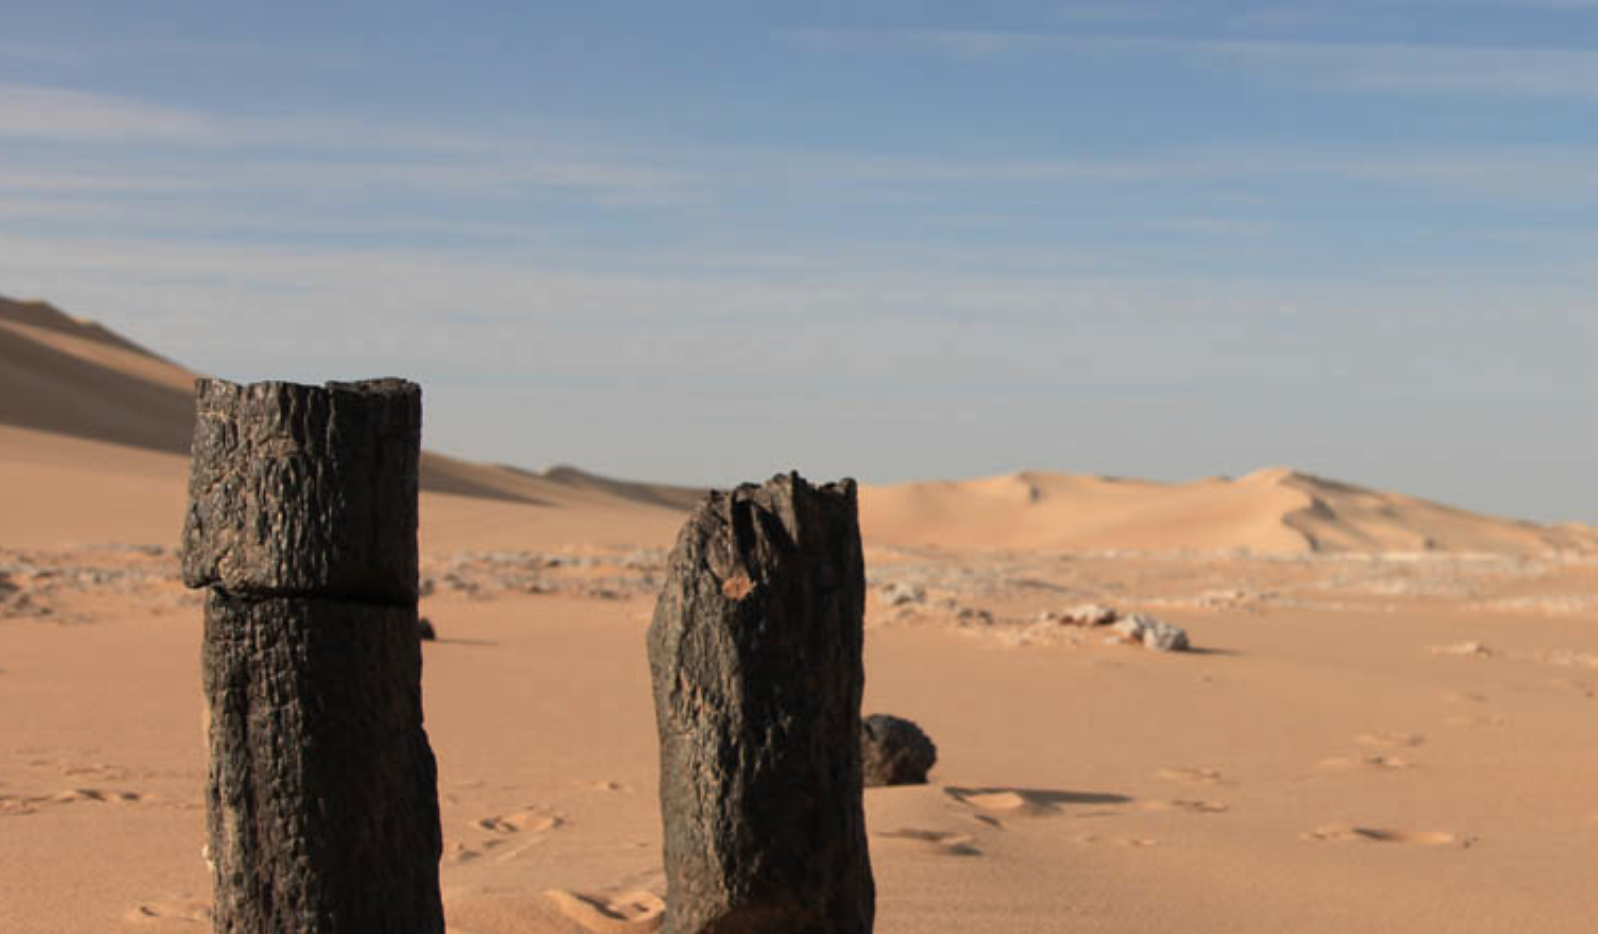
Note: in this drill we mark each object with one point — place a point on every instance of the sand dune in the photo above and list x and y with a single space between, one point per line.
69 377
61 376
1271 511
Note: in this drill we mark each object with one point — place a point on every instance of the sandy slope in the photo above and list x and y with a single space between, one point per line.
65 376
1271 511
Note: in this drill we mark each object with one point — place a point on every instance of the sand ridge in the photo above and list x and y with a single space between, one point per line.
1270 511
64 376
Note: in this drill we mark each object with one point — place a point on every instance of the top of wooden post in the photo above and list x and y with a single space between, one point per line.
304 490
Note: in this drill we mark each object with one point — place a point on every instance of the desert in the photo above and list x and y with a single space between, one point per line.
1384 721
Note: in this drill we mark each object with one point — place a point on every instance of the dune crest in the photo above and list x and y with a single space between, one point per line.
1274 510
65 380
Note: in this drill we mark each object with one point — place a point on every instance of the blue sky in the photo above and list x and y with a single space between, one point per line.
705 241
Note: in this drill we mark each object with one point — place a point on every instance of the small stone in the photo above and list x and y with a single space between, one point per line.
1090 614
1464 650
975 616
424 628
1152 633
894 751
899 593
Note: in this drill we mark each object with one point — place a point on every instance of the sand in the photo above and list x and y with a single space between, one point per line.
1388 724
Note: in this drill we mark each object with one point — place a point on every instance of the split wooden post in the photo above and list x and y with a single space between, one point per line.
755 654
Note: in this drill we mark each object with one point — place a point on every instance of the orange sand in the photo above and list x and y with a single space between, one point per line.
1389 725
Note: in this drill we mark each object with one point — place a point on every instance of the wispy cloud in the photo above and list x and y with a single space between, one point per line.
168 148
1538 72
33 112
1415 69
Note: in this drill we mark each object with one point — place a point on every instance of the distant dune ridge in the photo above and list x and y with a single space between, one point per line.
1270 511
68 376
64 378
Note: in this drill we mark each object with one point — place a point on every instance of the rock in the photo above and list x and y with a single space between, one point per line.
1152 633
424 628
1090 614
899 593
895 751
974 616
755 656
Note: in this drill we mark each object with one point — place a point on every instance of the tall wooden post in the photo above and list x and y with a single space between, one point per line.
755 656
322 790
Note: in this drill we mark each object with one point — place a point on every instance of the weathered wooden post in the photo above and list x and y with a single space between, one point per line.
322 790
755 656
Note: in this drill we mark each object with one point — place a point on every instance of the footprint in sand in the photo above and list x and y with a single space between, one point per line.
191 910
1466 721
1192 776
12 804
520 822
1372 763
1390 739
999 801
944 843
506 830
1349 832
611 787
635 911
1185 806
99 770
1093 839
1026 802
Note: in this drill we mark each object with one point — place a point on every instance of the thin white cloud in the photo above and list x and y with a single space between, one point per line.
1349 66
46 113
1417 69
168 148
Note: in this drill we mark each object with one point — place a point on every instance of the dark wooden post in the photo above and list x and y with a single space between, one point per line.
322 790
755 655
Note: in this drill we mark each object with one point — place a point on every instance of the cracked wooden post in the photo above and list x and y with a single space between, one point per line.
322 801
755 657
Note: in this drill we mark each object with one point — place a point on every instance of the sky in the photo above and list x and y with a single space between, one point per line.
708 241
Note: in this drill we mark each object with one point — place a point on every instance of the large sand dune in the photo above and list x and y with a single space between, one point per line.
61 376
1271 511
66 378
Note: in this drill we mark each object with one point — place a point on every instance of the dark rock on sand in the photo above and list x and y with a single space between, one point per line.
894 751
